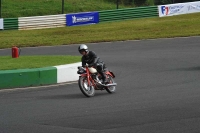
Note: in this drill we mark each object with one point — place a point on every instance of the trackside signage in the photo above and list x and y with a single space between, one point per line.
177 9
82 18
1 24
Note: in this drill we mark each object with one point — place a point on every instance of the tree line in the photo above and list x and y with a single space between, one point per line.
148 2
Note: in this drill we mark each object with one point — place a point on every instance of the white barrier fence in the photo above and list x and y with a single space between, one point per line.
1 24
67 73
40 22
178 9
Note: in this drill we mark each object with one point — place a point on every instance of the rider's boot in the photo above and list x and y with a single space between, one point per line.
105 81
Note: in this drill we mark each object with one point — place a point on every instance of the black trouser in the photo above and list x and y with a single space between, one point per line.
100 69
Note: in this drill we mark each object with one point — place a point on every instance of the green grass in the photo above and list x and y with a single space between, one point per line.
8 63
23 8
148 28
167 27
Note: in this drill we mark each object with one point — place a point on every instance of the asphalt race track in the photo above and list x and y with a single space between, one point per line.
158 92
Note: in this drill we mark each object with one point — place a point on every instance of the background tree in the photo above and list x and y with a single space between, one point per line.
148 2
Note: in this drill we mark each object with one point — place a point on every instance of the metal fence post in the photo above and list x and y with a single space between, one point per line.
117 4
62 6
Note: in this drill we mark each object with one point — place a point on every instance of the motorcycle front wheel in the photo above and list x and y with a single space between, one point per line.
87 90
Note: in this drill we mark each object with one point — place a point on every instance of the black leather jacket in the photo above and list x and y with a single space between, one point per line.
91 59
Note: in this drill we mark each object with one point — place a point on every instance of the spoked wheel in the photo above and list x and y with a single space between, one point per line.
110 89
87 90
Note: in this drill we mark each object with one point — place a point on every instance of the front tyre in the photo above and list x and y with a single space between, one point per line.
110 89
87 90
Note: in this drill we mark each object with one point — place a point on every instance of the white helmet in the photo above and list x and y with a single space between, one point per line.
83 47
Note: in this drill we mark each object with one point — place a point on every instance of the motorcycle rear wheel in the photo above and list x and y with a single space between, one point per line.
87 90
110 89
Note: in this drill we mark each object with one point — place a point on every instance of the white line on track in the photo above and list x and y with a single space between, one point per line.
37 87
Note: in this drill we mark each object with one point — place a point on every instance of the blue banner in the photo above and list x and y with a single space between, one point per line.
82 18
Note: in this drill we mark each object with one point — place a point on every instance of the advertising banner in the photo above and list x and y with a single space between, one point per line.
82 18
179 8
1 24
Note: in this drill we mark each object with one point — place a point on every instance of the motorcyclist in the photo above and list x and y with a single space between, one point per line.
90 58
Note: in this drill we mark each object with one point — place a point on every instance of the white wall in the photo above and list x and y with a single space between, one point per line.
66 73
40 22
1 23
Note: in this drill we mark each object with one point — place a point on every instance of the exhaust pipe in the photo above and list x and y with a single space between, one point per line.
107 85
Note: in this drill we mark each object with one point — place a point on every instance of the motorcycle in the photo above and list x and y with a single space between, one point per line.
90 80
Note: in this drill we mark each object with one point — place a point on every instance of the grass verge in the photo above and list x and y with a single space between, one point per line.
166 27
9 63
148 28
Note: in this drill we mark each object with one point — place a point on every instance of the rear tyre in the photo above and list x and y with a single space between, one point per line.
110 89
87 90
